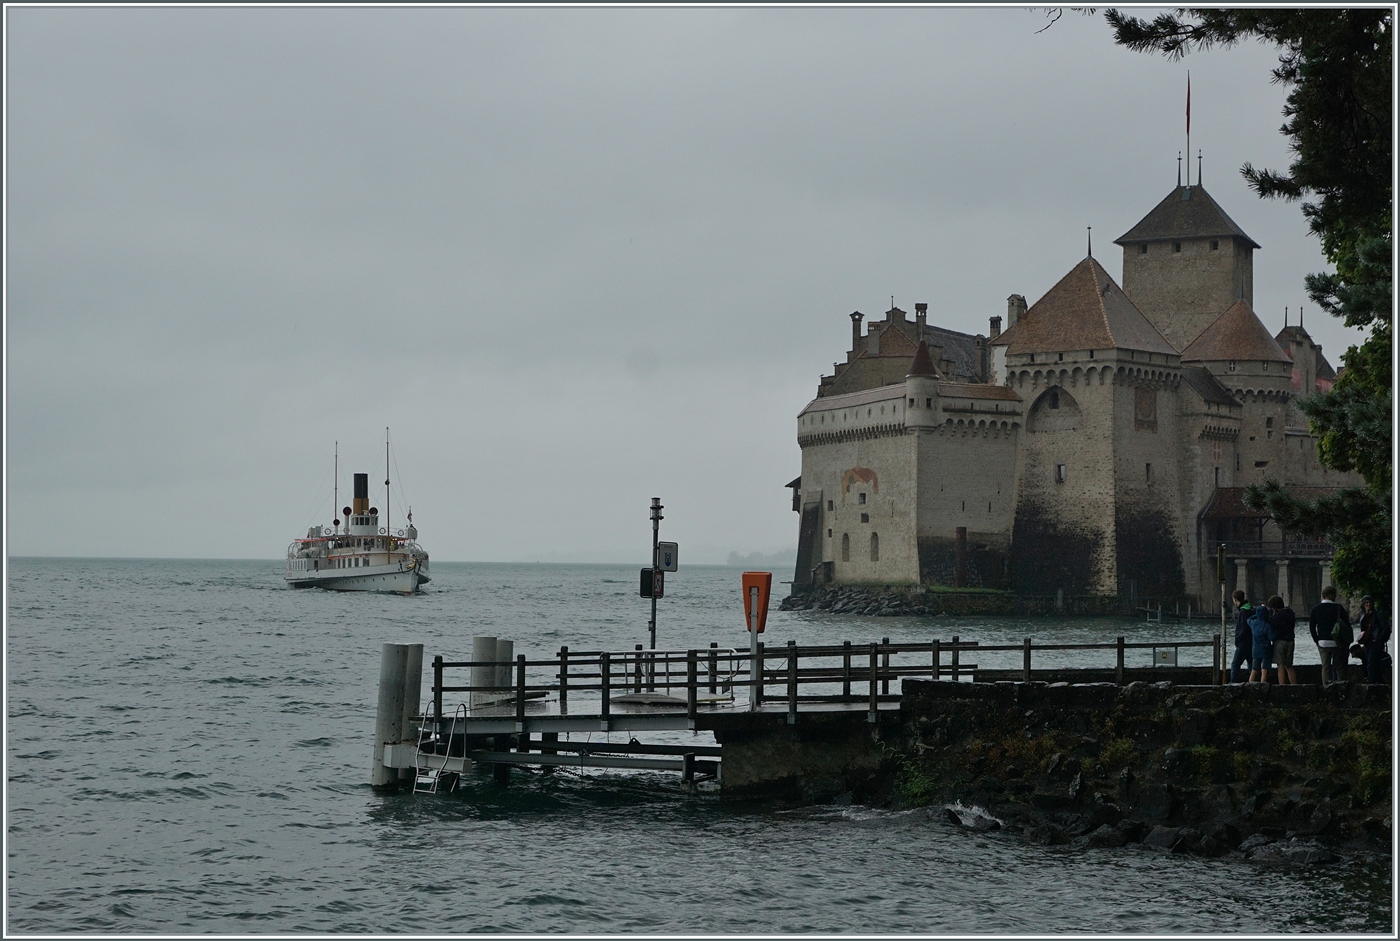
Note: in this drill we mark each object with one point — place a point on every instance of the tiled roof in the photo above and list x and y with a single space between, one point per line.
1187 212
977 390
1236 334
1207 386
922 364
1086 310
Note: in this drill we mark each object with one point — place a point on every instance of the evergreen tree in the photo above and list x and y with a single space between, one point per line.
1336 64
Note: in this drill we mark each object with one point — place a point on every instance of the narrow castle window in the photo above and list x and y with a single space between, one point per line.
1214 245
1217 477
845 547
1061 359
874 547
1060 473
1142 249
911 403
928 403
1149 475
865 517
862 499
830 505
1176 246
1232 365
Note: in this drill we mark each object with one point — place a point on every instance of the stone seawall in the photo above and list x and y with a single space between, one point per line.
1289 773
899 600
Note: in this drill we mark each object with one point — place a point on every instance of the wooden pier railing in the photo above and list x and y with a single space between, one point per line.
807 674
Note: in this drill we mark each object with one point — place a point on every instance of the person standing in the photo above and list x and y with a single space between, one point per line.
1330 628
1244 640
1284 620
1261 631
1374 634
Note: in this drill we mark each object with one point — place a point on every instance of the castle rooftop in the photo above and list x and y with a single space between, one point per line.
1086 310
1236 334
1187 212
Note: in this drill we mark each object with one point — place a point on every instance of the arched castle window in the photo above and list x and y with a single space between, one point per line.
874 547
845 547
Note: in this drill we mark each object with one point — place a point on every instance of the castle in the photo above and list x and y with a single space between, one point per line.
1099 445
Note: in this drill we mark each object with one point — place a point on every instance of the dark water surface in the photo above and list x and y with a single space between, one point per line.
189 751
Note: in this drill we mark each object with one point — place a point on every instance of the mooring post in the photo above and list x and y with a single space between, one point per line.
504 669
412 696
688 768
520 690
792 682
692 678
437 696
483 673
564 680
874 681
388 720
605 676
1026 657
714 668
846 669
937 659
885 663
954 659
1120 661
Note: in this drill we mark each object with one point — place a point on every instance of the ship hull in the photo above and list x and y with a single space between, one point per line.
395 579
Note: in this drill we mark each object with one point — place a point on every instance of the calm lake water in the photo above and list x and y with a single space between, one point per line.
189 752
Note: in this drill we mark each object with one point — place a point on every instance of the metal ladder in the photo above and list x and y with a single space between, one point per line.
426 778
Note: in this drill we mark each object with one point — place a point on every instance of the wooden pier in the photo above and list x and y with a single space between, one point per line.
507 712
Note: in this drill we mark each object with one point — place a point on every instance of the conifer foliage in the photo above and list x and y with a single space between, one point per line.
1336 64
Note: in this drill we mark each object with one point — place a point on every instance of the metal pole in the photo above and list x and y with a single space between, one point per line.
564 680
753 649
1220 572
1026 666
792 681
655 562
1120 661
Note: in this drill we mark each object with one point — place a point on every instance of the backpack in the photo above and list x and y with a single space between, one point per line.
1260 627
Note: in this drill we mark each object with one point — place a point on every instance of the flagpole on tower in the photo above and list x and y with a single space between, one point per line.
1188 125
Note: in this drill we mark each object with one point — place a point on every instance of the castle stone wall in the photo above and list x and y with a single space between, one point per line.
1182 292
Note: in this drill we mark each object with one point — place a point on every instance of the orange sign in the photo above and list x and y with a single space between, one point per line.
763 581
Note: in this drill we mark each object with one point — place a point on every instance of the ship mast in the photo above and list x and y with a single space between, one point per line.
335 487
388 529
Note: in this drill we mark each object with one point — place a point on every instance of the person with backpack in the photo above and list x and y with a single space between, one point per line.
1330 627
1374 634
1261 632
1244 640
1283 620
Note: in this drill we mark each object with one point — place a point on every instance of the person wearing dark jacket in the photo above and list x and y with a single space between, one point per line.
1244 640
1374 634
1261 631
1330 627
1283 620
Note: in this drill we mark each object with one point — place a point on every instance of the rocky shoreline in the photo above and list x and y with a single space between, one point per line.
1286 775
920 601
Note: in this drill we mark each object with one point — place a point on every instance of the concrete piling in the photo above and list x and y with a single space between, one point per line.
388 721
412 695
483 651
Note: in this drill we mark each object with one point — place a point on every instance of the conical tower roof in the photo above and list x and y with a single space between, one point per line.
1086 310
1236 334
1187 212
923 363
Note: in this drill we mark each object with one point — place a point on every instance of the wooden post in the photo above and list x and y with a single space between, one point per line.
388 720
937 659
954 658
564 680
520 689
437 694
714 668
1218 658
792 682
688 767
638 663
885 664
1120 661
692 671
846 669
1026 661
874 684
548 739
605 680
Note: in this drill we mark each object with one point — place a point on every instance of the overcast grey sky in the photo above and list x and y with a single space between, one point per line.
575 258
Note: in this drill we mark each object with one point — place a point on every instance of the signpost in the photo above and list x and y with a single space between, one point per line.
663 559
757 587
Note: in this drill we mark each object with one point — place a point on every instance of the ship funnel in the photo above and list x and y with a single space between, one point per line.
360 505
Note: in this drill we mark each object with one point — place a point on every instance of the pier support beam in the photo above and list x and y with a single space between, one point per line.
388 720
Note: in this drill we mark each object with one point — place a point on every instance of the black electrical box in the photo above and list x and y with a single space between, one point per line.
652 584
